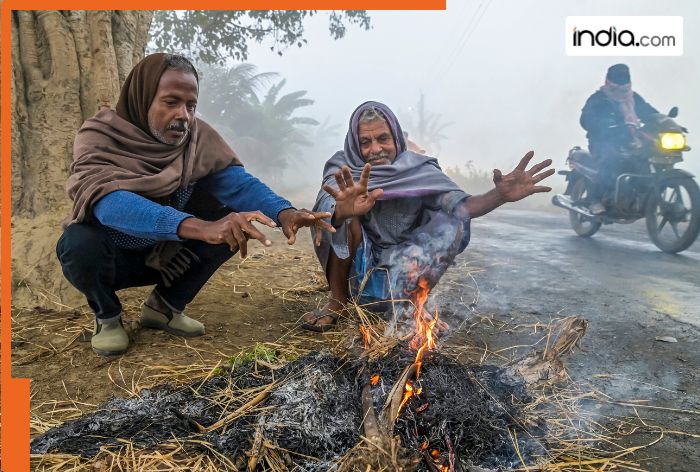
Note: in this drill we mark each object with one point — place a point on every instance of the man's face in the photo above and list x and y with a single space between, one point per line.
376 143
619 88
171 114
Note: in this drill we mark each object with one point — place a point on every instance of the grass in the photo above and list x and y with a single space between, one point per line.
579 437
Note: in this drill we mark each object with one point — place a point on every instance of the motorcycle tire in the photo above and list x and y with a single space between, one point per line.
653 210
583 226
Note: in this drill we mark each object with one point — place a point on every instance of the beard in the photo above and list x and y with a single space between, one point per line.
181 126
383 157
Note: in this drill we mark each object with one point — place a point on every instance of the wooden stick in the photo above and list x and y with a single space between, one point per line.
393 402
243 409
370 423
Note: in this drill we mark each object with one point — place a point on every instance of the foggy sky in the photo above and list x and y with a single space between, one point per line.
498 69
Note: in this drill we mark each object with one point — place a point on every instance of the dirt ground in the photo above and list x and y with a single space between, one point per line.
499 294
257 300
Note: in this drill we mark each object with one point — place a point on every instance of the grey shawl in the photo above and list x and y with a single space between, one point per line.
410 175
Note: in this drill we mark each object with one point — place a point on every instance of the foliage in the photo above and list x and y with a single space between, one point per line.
470 178
213 36
264 129
426 128
260 351
224 91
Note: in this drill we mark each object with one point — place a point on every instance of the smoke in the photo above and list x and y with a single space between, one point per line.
507 86
421 261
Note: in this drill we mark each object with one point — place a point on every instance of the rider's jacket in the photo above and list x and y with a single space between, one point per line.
604 122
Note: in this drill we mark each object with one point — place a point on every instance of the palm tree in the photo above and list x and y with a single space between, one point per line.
270 132
223 91
265 132
427 129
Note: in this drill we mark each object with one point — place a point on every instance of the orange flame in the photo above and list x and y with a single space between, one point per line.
374 380
365 336
407 394
424 337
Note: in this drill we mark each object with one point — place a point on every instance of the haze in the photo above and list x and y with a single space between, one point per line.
497 69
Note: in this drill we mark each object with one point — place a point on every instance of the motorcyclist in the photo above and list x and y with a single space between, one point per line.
611 116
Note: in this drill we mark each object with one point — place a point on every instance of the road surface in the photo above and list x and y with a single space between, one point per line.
630 292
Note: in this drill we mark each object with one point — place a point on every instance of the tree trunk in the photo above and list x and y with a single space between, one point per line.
65 66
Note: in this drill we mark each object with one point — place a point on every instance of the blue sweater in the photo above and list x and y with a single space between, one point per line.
136 222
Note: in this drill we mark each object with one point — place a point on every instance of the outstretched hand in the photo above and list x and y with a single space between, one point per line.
233 229
291 220
521 183
352 199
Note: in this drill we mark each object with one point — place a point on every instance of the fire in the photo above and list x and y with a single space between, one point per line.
424 339
407 394
365 336
374 380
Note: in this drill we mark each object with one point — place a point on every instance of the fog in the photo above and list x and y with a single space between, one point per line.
497 69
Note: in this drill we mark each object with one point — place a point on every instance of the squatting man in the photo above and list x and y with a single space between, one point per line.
398 218
159 198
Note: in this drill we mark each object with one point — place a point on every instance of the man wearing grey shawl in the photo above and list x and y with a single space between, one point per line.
399 220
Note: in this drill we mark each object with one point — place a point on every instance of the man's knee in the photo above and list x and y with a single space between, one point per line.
81 249
213 255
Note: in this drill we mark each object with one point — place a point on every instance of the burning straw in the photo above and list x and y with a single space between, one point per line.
293 406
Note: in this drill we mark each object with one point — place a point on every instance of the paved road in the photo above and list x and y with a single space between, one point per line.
540 260
629 291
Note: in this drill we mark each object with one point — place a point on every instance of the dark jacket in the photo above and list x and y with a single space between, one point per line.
600 113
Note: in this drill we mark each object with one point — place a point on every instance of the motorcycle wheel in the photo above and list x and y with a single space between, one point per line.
673 214
584 227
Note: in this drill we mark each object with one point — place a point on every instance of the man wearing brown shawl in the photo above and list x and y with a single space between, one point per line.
159 198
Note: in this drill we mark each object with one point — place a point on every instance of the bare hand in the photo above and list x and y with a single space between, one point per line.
292 220
520 183
235 229
351 199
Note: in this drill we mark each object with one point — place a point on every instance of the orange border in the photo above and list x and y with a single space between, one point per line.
14 393
237 4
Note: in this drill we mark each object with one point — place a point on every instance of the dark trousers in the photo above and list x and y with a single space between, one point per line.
610 165
98 268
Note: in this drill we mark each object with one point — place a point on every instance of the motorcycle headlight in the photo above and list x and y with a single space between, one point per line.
672 141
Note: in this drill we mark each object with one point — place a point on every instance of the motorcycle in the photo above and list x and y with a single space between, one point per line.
649 187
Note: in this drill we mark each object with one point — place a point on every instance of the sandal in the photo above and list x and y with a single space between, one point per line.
318 315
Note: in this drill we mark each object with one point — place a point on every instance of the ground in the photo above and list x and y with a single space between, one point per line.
521 270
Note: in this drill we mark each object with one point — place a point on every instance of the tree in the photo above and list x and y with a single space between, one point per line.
214 36
224 91
265 132
65 66
426 128
68 64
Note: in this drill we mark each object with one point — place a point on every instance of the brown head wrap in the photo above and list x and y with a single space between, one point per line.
140 88
115 150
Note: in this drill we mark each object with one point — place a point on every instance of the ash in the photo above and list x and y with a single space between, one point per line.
315 411
468 411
